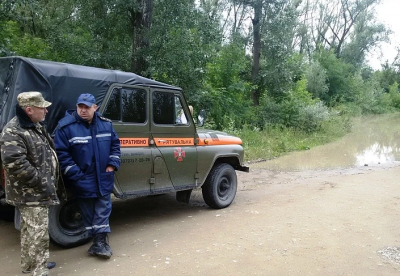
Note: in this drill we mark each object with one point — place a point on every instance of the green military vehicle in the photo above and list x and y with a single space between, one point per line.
162 150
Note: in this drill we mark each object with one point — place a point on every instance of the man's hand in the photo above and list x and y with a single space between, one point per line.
110 169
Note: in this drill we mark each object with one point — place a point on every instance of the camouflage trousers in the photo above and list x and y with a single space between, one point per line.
34 239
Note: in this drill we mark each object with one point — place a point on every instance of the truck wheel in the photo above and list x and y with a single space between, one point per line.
220 187
65 225
6 212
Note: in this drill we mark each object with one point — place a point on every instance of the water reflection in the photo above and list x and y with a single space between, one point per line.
373 141
375 154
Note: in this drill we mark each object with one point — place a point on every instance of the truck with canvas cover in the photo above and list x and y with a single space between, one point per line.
162 149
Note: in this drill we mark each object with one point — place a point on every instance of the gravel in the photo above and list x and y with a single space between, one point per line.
391 254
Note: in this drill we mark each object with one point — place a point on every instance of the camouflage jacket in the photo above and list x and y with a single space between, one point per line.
31 175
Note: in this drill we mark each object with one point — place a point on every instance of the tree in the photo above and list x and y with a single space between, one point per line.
273 23
257 6
184 38
339 75
366 36
140 16
228 97
282 66
316 76
340 20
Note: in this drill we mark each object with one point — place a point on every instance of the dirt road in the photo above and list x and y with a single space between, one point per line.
329 222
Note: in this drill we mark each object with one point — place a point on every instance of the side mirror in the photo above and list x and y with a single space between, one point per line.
201 118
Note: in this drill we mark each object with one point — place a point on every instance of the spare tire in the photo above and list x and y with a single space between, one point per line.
65 225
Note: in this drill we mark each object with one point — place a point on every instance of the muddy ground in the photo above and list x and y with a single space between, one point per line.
317 222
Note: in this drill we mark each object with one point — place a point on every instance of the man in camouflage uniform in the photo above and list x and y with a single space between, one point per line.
33 181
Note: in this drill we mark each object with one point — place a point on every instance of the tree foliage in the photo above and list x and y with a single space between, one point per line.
248 62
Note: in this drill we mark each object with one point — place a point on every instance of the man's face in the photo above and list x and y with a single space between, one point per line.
86 112
37 114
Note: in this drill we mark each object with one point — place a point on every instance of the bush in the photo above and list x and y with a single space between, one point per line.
297 110
394 95
316 80
274 141
312 116
367 97
349 109
268 113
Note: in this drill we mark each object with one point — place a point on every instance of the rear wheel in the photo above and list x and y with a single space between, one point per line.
6 212
65 225
220 187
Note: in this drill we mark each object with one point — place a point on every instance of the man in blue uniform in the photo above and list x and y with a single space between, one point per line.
88 149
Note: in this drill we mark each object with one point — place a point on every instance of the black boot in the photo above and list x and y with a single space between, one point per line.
104 242
100 246
106 245
93 248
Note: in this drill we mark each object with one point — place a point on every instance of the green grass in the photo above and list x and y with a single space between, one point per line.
276 141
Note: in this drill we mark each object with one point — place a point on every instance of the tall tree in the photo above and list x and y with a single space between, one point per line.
184 38
273 24
140 16
337 21
368 34
257 6
281 65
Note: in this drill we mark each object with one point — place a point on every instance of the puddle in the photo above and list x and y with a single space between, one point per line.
374 141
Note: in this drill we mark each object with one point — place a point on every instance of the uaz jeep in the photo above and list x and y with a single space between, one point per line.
162 151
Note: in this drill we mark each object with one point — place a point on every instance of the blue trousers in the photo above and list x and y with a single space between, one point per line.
95 214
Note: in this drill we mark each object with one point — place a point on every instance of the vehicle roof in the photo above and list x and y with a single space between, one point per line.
60 83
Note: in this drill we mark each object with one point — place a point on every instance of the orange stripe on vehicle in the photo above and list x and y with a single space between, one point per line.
169 142
134 142
220 141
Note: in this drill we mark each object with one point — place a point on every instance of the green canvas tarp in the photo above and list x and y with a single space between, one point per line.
60 83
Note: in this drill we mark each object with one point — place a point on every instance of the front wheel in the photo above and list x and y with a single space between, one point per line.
65 225
220 187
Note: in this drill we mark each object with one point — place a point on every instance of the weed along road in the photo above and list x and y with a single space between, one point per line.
293 215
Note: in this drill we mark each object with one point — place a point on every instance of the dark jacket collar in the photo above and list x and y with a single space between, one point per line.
23 118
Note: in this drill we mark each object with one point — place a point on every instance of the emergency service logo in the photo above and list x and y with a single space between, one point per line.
179 154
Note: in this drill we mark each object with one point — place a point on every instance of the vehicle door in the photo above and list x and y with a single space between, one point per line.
127 107
173 133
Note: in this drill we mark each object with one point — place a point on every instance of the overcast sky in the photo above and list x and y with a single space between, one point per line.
388 13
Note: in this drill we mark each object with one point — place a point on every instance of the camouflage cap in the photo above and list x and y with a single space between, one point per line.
32 99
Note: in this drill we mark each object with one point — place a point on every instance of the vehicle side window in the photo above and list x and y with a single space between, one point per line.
163 108
181 117
127 105
113 109
167 109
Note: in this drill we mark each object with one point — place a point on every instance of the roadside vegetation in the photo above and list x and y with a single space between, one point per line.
283 75
274 142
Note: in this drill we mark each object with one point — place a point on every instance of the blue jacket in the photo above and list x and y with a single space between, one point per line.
84 151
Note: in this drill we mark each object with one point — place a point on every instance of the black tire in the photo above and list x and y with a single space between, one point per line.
65 225
220 187
6 212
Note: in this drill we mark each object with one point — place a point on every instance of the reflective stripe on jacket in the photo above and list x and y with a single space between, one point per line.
84 152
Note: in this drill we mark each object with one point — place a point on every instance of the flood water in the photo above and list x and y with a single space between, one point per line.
373 141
